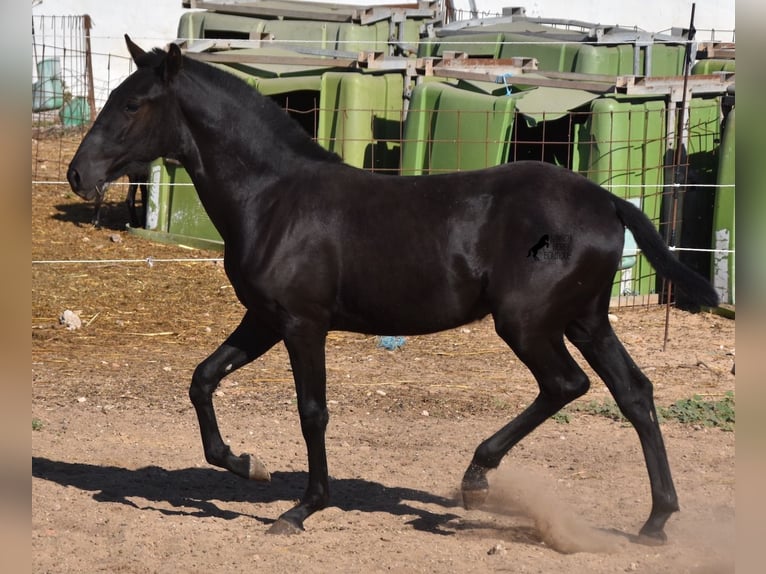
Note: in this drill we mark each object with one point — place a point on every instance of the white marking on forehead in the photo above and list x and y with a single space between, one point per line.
228 367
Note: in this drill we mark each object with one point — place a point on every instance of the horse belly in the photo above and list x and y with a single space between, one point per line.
408 307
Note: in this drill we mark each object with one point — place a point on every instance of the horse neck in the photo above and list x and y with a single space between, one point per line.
230 122
237 143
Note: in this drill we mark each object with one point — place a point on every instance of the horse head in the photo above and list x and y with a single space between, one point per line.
138 123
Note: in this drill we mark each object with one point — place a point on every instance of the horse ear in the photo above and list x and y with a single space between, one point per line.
173 62
135 51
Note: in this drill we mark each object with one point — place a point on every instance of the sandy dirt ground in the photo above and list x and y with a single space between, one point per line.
120 484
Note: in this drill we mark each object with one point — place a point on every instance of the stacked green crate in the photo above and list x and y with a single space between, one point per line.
360 118
713 65
697 213
723 217
451 129
174 213
314 34
623 147
703 149
559 50
475 45
617 60
551 56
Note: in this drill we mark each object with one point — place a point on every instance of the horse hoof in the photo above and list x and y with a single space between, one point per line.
284 527
257 469
652 539
474 498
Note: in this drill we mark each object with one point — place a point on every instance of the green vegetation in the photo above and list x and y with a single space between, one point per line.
37 424
693 411
607 409
696 410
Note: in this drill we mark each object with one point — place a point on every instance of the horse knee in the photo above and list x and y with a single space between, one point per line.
565 390
314 417
204 382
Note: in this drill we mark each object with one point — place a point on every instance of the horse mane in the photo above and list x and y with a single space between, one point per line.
279 122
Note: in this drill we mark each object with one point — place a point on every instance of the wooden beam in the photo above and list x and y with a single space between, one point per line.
720 50
663 85
518 77
236 57
297 10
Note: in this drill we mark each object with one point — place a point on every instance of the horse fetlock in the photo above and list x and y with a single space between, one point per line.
652 533
218 455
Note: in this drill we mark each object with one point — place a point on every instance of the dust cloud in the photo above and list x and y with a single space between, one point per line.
525 492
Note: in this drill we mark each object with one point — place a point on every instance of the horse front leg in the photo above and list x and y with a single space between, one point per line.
248 342
130 201
307 358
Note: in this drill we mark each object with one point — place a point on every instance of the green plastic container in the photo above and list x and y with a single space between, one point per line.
48 90
75 112
315 34
707 67
475 45
174 213
699 198
723 217
551 56
49 68
47 95
360 118
558 50
452 129
622 146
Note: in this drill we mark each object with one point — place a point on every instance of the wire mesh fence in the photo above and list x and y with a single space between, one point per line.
62 92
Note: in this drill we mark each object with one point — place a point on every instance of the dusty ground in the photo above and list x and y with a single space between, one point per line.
120 484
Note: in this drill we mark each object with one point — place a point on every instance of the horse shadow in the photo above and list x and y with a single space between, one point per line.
114 214
198 492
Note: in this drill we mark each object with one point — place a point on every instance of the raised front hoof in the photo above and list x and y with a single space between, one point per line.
244 465
256 469
474 498
285 527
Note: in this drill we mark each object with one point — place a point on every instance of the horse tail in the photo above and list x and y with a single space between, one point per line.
694 285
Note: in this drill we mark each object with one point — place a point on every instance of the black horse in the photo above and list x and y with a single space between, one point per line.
314 245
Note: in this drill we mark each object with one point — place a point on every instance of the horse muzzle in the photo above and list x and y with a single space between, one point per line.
80 187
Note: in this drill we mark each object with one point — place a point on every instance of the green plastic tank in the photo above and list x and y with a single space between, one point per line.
723 217
360 118
450 129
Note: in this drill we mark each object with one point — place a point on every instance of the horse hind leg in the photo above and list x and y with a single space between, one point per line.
560 380
632 391
248 341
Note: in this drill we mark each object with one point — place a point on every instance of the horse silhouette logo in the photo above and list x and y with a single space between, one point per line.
544 241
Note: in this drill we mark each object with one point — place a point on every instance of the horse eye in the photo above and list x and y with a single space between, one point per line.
132 107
